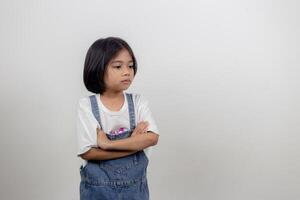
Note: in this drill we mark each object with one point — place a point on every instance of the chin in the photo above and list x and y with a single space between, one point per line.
125 87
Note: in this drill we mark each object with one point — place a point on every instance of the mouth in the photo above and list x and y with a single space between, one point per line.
126 81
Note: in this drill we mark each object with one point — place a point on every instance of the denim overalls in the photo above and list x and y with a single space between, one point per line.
115 179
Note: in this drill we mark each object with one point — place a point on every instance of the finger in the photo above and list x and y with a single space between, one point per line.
140 127
146 124
140 130
98 130
141 122
145 129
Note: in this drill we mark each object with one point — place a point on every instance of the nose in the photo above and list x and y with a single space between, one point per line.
126 71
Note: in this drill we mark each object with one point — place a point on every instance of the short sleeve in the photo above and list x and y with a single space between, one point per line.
144 113
86 126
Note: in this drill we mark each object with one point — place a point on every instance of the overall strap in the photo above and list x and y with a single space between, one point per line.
95 109
131 111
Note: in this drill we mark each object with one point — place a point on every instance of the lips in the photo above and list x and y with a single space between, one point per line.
126 81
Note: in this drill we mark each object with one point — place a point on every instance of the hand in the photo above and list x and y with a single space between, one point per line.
102 141
142 127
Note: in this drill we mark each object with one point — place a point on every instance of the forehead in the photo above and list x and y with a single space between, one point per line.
122 56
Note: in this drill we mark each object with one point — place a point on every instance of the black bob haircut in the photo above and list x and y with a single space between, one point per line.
100 53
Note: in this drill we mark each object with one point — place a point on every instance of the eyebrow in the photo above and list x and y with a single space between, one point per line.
120 61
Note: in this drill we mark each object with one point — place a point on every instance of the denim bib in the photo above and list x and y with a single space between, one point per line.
115 179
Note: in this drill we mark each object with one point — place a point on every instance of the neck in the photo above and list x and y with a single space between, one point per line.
112 94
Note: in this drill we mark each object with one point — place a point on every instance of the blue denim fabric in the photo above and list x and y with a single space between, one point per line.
115 179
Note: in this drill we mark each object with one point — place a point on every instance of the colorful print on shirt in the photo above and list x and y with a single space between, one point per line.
119 133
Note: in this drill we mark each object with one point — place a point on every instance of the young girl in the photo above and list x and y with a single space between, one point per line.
114 128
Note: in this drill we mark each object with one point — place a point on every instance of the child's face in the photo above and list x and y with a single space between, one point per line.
119 73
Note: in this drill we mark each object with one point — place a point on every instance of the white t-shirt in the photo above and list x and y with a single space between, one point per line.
110 120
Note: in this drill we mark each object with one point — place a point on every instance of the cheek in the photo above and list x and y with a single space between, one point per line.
107 79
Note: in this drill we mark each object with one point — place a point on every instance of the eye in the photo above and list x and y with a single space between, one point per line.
118 66
131 66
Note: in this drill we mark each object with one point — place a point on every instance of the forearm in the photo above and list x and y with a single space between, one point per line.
100 154
135 143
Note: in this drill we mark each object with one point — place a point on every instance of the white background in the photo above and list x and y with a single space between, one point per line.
222 79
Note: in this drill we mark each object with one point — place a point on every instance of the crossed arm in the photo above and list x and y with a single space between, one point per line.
111 149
